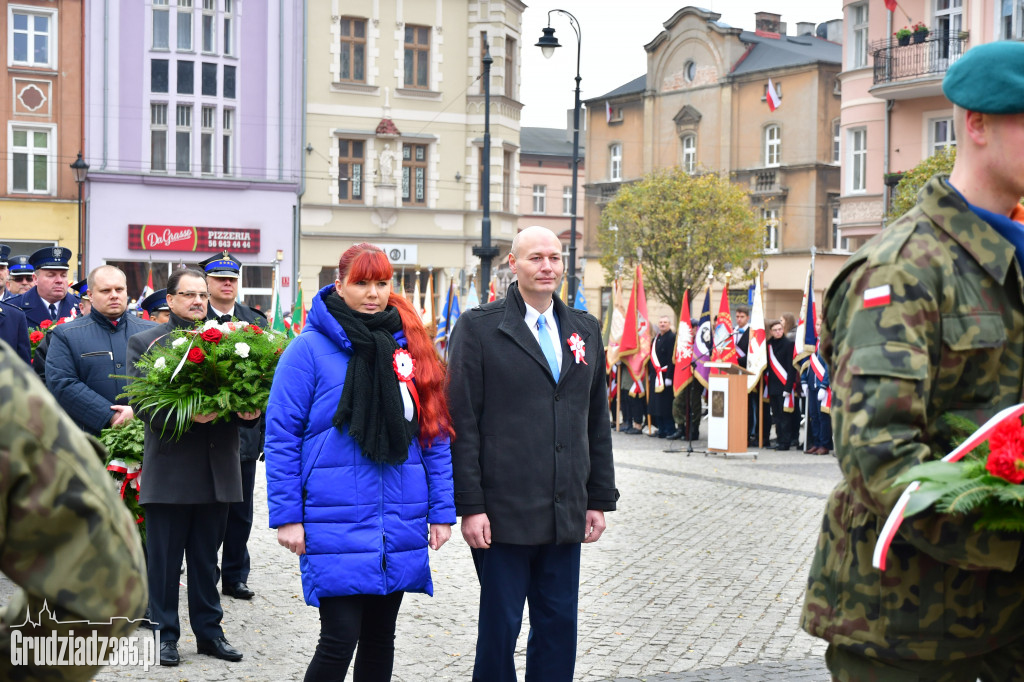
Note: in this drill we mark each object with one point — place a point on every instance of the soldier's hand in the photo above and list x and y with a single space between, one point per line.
476 530
122 414
594 526
439 534
204 418
292 536
249 416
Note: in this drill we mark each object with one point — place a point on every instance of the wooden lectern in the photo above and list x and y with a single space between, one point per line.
727 408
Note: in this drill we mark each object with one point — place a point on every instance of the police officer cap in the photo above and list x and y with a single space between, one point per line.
51 258
5 254
20 265
155 302
82 288
988 78
222 265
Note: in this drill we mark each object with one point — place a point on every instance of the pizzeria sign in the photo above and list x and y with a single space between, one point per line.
190 238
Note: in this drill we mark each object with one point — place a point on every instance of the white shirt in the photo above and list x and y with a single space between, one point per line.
550 324
218 313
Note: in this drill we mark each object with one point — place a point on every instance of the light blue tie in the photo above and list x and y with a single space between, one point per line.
545 346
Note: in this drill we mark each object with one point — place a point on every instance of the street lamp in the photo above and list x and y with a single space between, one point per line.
547 44
485 251
80 169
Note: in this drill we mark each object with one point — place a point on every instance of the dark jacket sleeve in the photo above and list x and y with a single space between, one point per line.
465 398
601 491
85 405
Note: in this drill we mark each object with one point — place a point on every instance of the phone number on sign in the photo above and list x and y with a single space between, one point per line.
230 244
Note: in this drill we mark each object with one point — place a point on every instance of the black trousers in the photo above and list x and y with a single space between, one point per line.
366 619
785 434
234 560
192 530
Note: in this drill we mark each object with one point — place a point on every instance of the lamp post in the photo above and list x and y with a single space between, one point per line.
547 44
80 169
485 251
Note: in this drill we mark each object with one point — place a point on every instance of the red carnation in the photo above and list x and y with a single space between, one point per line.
1006 466
45 324
36 336
196 355
213 335
254 329
1008 438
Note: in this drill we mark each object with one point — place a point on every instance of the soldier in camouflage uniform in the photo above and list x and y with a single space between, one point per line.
65 538
928 319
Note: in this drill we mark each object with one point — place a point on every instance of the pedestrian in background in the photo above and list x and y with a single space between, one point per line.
660 369
359 473
532 460
781 379
925 322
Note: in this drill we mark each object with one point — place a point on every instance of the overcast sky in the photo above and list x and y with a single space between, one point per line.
614 34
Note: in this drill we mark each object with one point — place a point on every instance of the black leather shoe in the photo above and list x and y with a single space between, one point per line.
238 591
675 435
169 653
781 448
217 647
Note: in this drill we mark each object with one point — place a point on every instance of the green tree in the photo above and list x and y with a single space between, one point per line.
913 180
683 223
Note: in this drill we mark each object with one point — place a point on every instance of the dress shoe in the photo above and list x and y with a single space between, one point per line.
169 653
662 434
238 591
781 448
218 647
822 450
811 451
675 435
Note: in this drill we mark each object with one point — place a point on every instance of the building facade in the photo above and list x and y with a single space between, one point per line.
395 133
42 116
703 106
894 114
193 137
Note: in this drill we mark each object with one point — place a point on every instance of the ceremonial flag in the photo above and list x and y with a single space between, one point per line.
417 299
806 337
563 290
636 335
277 322
757 350
773 96
608 106
725 344
148 289
683 352
299 310
449 316
702 342
401 285
428 301
472 300
580 302
890 5
492 294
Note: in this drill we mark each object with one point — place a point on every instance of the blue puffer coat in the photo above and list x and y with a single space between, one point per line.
365 523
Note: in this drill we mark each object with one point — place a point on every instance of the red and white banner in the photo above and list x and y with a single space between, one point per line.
683 353
773 96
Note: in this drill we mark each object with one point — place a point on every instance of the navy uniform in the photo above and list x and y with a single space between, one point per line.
84 300
155 305
36 309
17 266
5 254
235 556
14 330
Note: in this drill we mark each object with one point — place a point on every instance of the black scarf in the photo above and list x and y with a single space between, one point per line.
371 405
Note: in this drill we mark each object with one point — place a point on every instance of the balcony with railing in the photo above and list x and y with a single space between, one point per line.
915 70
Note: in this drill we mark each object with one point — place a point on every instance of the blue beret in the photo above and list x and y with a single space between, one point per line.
51 258
5 253
19 265
155 301
222 265
988 78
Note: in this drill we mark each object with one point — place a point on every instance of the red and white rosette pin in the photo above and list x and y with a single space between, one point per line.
578 348
405 370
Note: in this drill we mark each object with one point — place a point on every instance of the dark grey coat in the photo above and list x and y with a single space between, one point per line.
82 356
200 468
534 455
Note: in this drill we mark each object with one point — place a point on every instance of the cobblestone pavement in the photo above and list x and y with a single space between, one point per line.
700 576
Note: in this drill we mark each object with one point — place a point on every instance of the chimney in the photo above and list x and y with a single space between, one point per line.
767 22
805 28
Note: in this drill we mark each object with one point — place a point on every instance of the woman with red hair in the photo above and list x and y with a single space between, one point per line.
359 473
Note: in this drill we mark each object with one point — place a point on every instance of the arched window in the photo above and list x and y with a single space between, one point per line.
772 145
689 153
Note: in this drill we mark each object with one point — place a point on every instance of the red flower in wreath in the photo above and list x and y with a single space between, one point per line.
1006 451
254 329
212 335
196 355
36 336
45 324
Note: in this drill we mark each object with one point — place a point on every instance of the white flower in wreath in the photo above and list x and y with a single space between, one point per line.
210 324
242 350
161 362
177 342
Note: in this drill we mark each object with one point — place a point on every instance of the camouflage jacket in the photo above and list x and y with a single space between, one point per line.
950 339
65 537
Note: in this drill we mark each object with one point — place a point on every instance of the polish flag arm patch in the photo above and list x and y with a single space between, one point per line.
877 296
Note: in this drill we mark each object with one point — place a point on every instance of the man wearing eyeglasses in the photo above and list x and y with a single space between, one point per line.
223 273
21 277
186 487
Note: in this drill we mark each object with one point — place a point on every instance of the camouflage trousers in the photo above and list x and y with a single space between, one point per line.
1002 665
